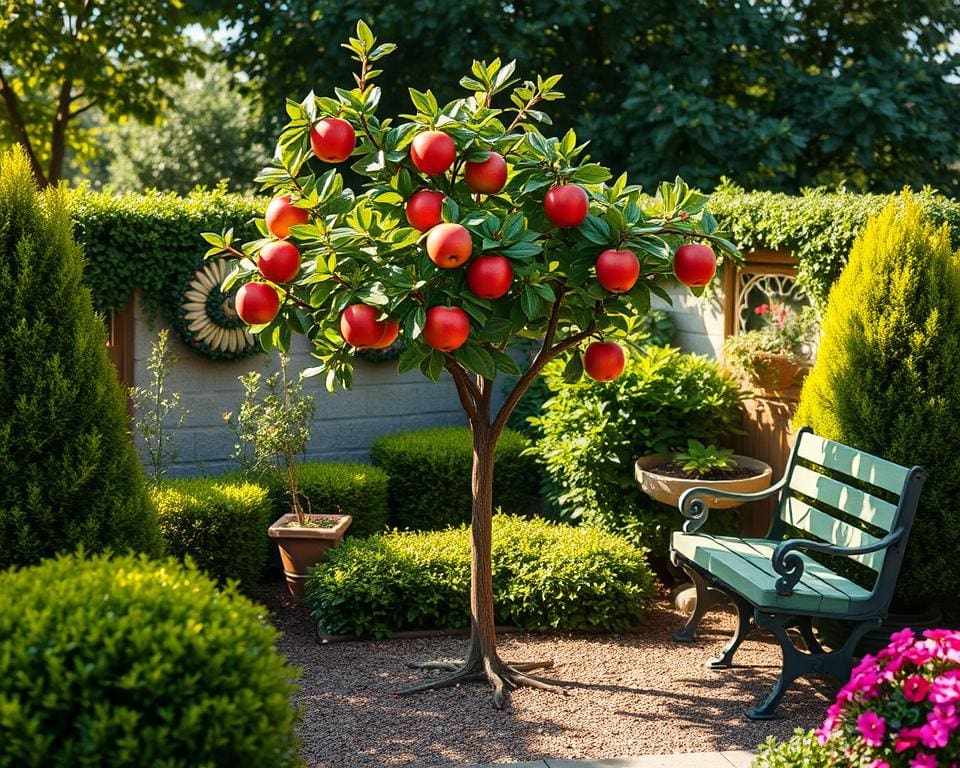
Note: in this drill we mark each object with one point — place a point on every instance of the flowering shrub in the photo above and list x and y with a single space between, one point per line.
901 708
785 333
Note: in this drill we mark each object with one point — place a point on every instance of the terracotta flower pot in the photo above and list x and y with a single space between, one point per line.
775 373
668 490
301 548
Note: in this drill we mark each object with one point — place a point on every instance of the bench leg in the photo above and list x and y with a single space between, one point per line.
797 663
745 625
707 597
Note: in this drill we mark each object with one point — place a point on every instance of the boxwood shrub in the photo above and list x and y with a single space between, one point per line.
221 523
802 750
429 476
545 575
591 434
132 662
358 490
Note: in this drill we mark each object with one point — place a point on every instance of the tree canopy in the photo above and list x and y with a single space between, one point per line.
60 59
779 95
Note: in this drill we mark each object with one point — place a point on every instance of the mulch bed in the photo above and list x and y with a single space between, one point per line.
629 695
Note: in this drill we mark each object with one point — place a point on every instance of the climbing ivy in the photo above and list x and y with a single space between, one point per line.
817 227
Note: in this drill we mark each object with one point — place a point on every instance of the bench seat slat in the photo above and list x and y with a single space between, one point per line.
854 502
801 515
863 466
744 565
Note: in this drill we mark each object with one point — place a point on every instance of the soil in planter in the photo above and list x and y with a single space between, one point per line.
675 469
313 522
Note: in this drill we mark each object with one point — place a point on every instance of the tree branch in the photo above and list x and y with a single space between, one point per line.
462 383
82 109
20 127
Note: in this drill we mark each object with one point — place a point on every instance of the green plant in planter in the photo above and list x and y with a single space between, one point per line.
274 428
786 333
472 229
700 459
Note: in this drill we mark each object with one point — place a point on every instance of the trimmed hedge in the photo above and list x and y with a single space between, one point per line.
802 750
544 576
591 434
132 662
358 490
818 227
430 470
219 523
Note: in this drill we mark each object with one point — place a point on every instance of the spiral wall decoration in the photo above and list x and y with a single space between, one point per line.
208 320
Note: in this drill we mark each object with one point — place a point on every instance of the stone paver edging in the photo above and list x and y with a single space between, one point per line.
733 759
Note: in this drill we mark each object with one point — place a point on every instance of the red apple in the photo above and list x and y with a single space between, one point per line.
359 326
694 265
447 328
333 139
423 209
433 152
489 277
257 303
618 271
279 261
603 361
282 214
449 245
487 177
390 333
566 205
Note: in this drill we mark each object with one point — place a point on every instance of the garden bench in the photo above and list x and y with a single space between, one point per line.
853 505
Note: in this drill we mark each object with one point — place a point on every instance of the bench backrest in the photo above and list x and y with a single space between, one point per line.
848 498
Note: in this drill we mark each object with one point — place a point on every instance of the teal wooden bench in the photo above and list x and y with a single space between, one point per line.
853 505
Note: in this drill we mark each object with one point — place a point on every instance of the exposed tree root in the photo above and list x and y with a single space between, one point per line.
499 674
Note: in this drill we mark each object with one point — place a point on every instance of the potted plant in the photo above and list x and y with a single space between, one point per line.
777 355
277 427
665 476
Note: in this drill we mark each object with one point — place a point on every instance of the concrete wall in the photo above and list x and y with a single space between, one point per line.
380 402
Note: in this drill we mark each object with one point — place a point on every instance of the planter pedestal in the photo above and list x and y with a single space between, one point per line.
302 548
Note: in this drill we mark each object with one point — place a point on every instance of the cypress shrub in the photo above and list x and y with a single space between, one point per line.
221 525
886 380
70 473
429 474
131 662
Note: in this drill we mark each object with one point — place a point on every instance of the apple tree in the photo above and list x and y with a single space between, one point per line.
473 229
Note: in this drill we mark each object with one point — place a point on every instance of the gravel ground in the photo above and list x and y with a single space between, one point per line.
629 695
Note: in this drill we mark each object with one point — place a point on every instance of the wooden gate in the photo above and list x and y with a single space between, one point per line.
120 342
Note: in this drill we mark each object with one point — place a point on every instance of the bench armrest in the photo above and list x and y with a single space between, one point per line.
790 565
696 509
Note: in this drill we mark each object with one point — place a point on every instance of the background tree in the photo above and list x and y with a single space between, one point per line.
775 95
71 474
207 133
473 229
60 59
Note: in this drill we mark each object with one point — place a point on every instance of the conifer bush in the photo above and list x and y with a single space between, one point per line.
886 379
70 473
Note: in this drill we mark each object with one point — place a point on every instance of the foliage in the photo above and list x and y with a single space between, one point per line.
544 576
155 407
802 750
60 59
131 662
655 328
359 248
220 524
818 227
899 709
70 473
776 95
272 428
591 434
700 459
206 135
429 475
786 332
358 490
885 379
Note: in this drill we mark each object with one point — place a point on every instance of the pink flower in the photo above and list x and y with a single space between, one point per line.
762 309
906 739
946 688
923 761
872 728
915 688
935 734
900 641
878 763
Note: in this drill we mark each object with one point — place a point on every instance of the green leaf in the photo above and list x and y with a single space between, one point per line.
505 363
411 357
591 174
530 302
477 359
573 370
